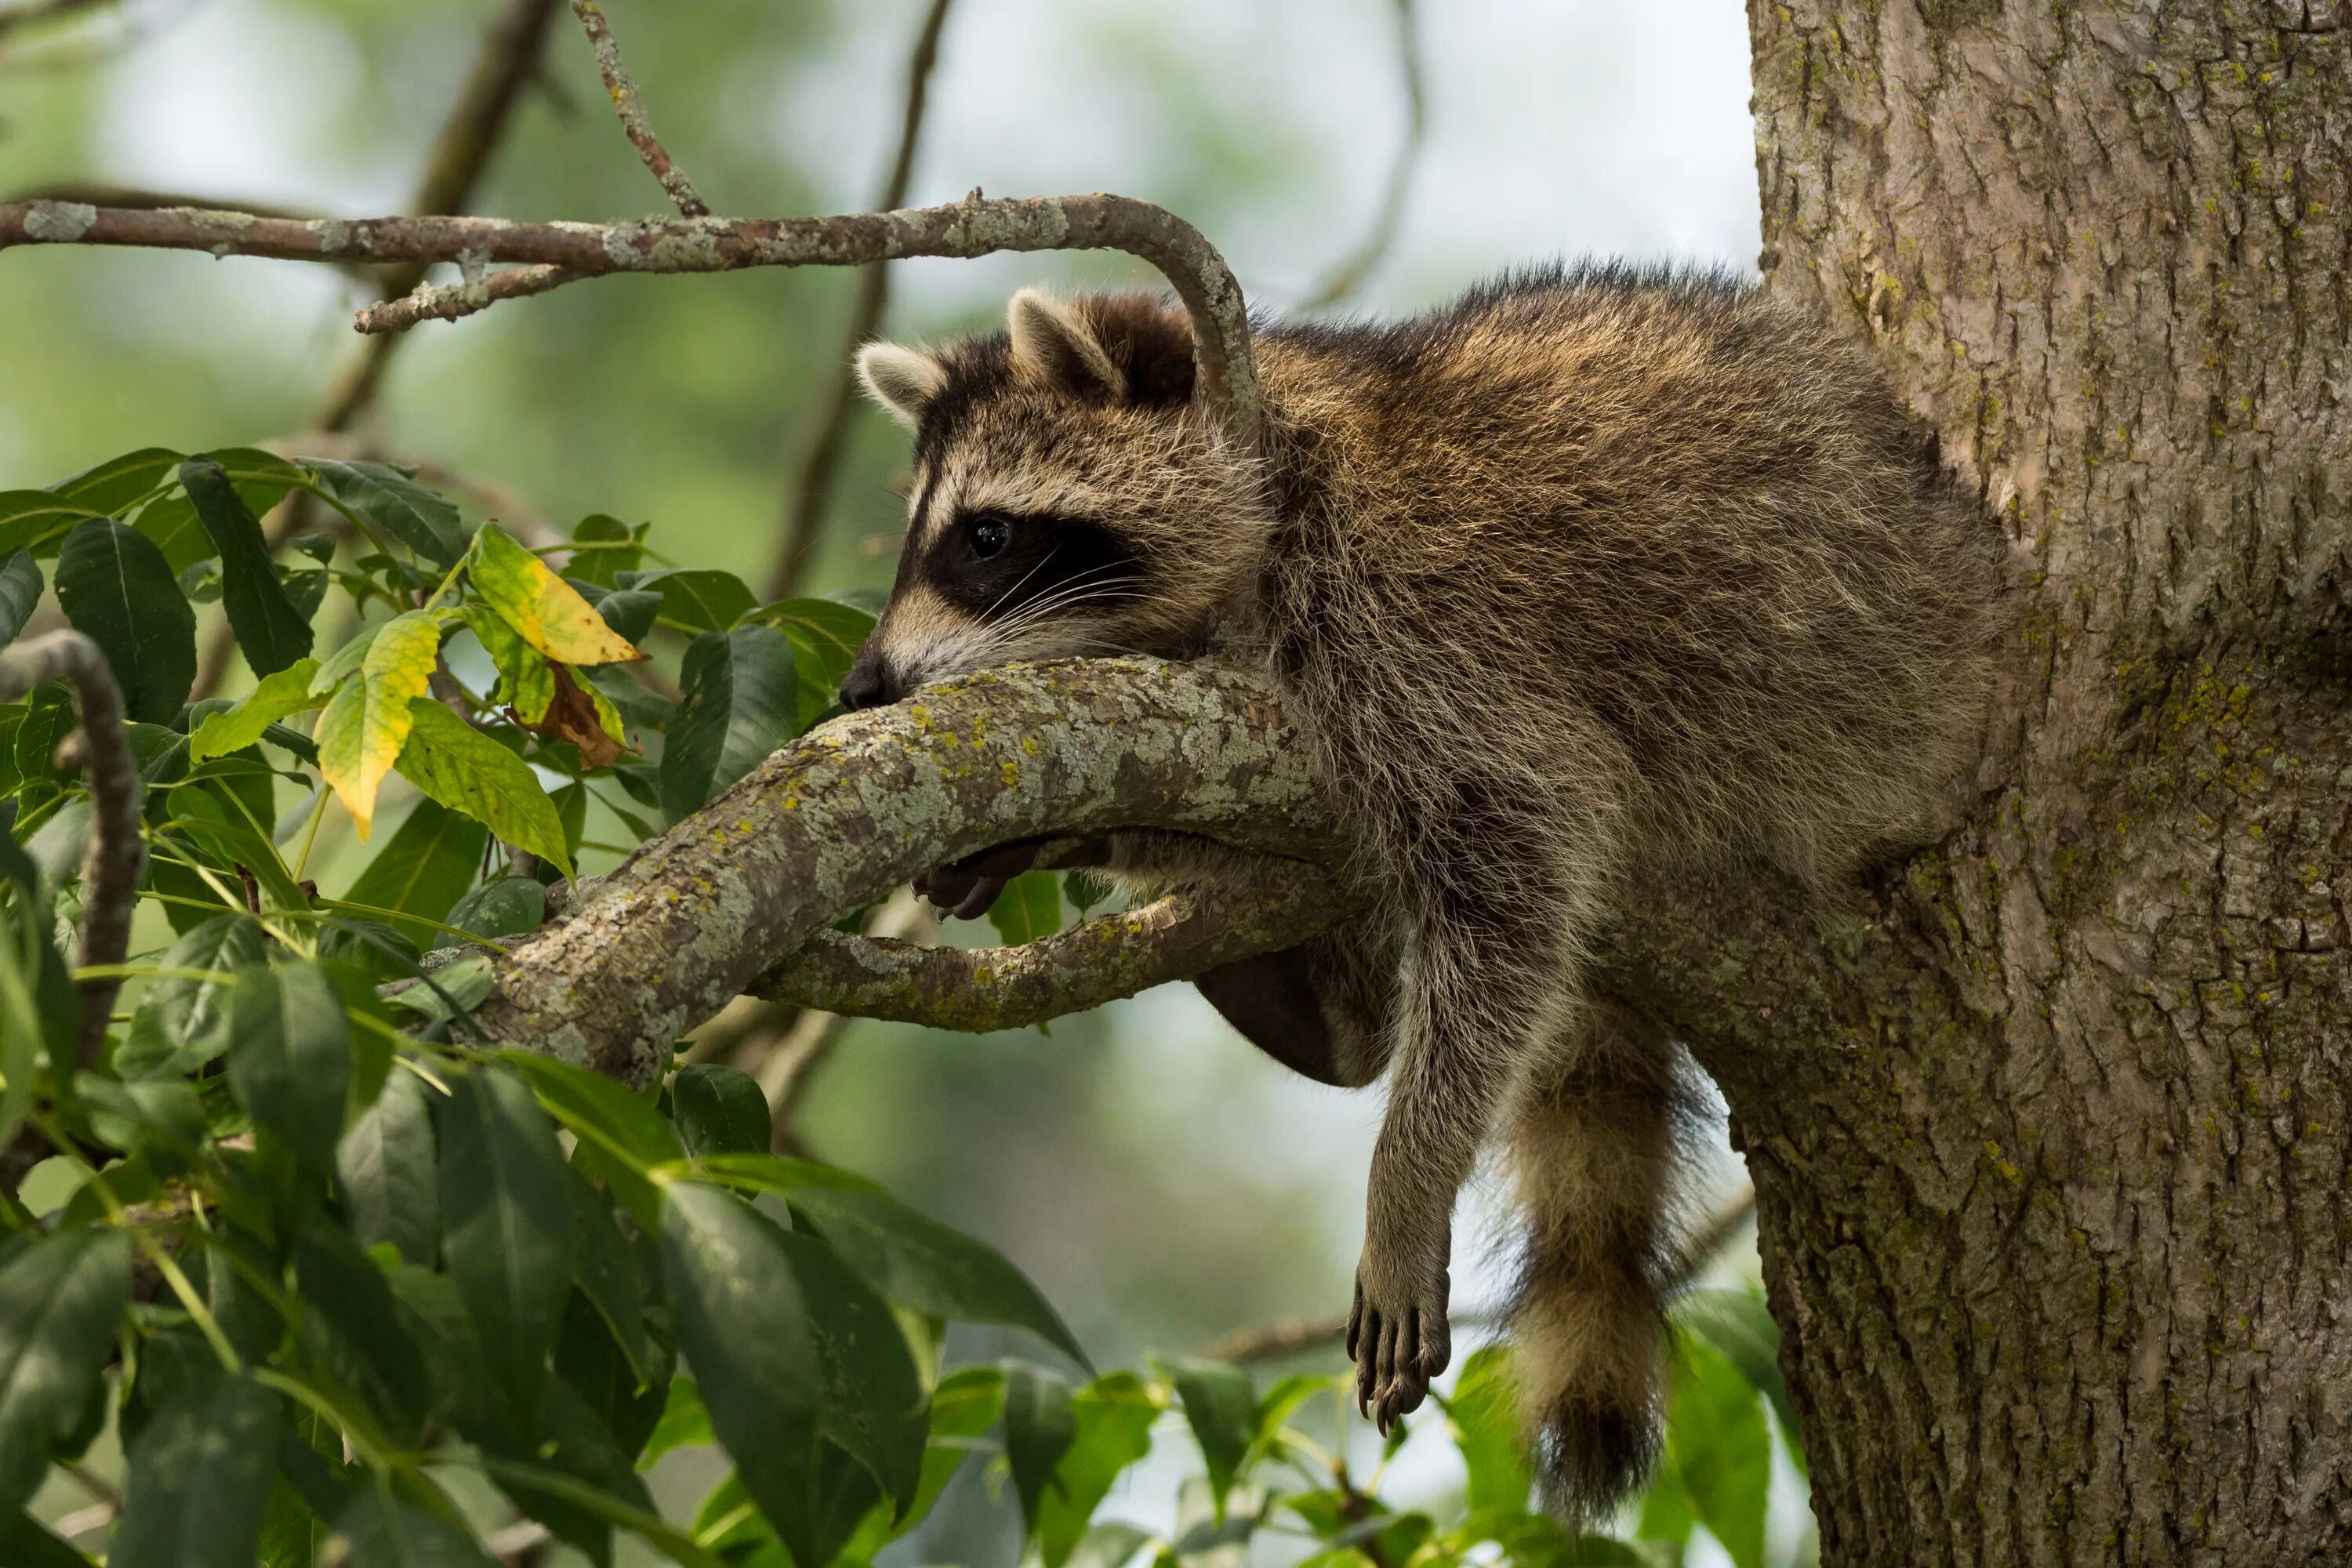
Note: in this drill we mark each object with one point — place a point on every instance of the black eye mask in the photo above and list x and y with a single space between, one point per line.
991 564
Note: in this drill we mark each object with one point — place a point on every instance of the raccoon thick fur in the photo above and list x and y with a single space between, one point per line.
1593 574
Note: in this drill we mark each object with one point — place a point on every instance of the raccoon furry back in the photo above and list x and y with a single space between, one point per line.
1639 573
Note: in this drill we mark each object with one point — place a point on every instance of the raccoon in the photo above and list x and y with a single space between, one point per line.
1594 574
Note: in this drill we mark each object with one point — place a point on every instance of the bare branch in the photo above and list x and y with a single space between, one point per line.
818 462
103 194
980 989
855 808
973 227
101 747
630 105
1347 274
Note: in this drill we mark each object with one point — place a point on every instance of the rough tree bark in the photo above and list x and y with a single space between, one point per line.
2050 1149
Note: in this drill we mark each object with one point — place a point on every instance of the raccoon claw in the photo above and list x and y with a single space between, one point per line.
1397 1351
964 889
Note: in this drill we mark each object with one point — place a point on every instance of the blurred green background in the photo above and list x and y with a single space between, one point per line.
1164 1182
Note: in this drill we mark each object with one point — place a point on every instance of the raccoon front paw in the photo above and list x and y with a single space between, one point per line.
965 888
1398 1337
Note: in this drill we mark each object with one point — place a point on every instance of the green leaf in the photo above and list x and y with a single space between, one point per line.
622 547
60 1298
825 634
424 869
116 482
116 587
918 1262
25 1544
397 504
507 1228
740 705
607 1275
1719 1447
511 906
367 720
526 680
1029 907
1108 1545
630 611
379 1530
1039 1427
1484 1416
183 1023
20 591
1738 1324
1114 1416
29 520
744 1328
289 1055
685 1424
627 1134
546 610
280 693
873 1403
350 1325
1220 1407
720 1111
389 1173
696 598
270 631
466 771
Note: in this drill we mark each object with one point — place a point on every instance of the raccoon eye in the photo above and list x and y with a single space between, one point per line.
988 533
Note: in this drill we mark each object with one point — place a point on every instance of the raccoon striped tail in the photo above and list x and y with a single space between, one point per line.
1593 1138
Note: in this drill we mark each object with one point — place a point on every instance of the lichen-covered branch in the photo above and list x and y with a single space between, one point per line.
818 460
979 989
973 227
630 105
861 804
448 301
101 747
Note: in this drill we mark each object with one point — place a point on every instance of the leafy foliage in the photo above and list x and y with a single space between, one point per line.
310 1246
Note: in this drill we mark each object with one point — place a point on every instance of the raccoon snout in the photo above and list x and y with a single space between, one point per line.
871 681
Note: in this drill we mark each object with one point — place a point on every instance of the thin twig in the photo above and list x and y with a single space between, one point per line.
794 1043
110 867
1347 274
973 227
104 194
1708 1242
818 462
630 105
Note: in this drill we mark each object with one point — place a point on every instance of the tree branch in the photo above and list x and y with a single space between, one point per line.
977 990
1347 274
101 747
973 227
857 807
819 461
630 105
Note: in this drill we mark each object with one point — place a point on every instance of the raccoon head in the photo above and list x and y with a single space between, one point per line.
1070 495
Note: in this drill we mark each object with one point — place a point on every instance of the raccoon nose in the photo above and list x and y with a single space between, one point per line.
870 682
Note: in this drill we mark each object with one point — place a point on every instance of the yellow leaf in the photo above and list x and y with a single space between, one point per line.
365 727
549 613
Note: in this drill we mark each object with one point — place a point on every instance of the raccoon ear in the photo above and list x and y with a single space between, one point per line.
902 380
1053 346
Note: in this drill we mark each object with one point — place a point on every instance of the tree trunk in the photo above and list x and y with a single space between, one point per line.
2050 1145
